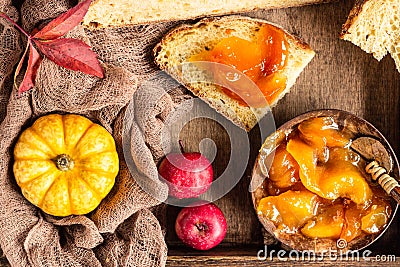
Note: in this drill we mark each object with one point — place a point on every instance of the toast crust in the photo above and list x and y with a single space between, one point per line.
184 27
91 22
353 16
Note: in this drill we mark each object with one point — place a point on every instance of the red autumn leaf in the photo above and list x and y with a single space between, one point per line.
72 54
33 64
69 53
64 23
34 31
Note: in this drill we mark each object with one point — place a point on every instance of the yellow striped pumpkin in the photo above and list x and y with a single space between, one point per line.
65 164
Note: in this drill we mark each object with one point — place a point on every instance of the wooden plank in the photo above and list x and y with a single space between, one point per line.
341 76
197 261
245 256
248 256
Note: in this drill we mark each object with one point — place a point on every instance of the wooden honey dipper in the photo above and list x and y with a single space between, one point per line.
388 183
380 164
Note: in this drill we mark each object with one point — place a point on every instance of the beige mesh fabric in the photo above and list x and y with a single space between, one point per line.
10 49
124 230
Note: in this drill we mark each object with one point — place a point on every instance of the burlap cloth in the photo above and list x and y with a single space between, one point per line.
125 229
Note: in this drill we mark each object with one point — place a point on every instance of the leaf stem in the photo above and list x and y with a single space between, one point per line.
181 146
19 66
3 15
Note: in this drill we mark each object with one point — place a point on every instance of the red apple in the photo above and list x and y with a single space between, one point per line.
189 174
202 227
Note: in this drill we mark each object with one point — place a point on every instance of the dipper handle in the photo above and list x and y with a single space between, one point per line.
388 183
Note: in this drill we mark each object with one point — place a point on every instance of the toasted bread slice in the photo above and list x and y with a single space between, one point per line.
188 40
104 13
374 25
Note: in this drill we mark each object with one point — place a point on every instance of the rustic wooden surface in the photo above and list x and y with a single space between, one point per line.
340 76
230 261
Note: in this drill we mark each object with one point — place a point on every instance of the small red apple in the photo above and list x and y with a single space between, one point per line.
202 227
189 174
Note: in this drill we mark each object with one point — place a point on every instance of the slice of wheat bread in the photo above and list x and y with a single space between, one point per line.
184 41
374 25
105 13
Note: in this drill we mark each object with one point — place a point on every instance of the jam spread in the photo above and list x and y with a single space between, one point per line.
261 60
316 186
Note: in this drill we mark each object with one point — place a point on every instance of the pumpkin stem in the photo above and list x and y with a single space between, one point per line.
64 162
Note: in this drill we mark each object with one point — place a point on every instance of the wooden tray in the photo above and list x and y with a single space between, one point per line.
341 76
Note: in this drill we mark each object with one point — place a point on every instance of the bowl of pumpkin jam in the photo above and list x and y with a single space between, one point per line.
311 190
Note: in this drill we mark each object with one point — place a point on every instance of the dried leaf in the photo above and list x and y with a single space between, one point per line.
34 31
72 54
33 64
19 66
69 53
64 23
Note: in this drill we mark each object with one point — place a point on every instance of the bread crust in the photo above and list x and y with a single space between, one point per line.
184 27
95 25
353 16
